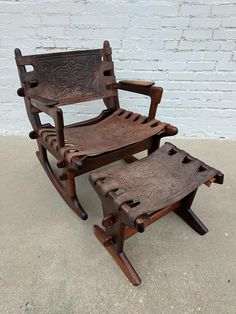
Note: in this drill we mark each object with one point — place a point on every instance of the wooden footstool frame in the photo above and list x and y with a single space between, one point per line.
136 195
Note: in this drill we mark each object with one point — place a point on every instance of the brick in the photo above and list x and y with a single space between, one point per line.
166 34
198 34
225 34
206 45
205 22
140 33
224 10
229 22
194 10
100 21
147 75
61 43
185 45
200 66
193 55
50 7
105 8
164 10
51 32
171 44
78 33
166 65
11 7
48 42
177 22
144 22
129 54
226 66
228 45
55 19
202 76
156 9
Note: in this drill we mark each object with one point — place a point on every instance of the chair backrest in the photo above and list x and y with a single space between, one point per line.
70 77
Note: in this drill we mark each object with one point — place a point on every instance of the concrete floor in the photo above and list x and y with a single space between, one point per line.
51 262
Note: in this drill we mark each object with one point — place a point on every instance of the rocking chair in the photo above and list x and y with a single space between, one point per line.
65 78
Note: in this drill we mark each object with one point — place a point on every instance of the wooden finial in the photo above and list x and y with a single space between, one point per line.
17 52
106 44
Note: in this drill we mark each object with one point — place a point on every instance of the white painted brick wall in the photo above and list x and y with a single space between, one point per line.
187 47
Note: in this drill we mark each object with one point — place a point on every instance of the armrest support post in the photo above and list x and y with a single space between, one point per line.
144 88
49 107
156 95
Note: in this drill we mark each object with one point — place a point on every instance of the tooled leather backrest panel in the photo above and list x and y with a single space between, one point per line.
69 77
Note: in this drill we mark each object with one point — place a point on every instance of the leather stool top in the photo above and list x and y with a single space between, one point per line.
156 181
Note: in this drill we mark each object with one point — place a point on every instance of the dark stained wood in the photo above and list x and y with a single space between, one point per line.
186 213
130 159
138 83
67 192
129 232
120 257
65 78
136 195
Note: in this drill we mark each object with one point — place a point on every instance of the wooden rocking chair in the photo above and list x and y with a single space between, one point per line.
65 78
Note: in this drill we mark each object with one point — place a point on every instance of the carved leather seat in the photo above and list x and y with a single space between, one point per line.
65 78
89 140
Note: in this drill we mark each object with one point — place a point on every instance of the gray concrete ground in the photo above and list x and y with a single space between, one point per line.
51 262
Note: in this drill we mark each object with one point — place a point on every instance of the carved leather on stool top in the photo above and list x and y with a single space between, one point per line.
154 182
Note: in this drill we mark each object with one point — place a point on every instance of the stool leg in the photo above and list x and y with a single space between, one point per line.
186 213
192 220
120 257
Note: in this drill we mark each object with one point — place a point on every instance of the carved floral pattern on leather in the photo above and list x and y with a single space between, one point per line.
71 75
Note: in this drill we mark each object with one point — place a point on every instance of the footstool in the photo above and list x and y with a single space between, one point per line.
135 195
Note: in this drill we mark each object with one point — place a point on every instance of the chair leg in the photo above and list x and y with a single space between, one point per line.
155 145
120 257
186 213
71 189
68 193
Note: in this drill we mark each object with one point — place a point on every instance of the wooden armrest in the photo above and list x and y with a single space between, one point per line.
41 101
138 83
